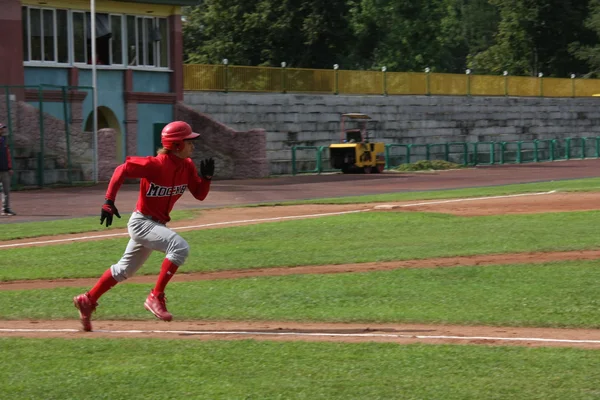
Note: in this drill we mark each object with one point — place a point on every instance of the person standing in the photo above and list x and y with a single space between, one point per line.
164 179
6 171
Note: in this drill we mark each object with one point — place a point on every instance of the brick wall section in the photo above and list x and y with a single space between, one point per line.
107 142
11 45
131 123
237 154
26 135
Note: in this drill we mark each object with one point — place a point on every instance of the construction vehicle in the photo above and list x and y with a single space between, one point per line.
356 153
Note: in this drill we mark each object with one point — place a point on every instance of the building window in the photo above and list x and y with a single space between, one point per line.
45 35
62 35
79 37
48 36
59 36
163 44
147 36
103 38
131 41
35 34
116 40
25 18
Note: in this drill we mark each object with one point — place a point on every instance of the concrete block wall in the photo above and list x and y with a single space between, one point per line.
27 142
237 154
314 120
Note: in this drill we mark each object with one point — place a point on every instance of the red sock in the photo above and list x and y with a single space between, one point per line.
167 270
103 285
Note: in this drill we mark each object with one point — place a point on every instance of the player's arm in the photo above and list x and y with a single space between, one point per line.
132 168
200 185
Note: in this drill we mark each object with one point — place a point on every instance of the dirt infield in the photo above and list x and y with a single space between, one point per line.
278 189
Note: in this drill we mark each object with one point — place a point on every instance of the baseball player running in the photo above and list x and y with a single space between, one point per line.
164 178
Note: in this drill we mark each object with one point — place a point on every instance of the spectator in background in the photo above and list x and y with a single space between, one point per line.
5 171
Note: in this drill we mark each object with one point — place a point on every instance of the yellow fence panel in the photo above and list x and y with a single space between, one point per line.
557 87
254 79
587 87
310 80
448 84
360 82
406 83
523 86
484 85
203 77
271 79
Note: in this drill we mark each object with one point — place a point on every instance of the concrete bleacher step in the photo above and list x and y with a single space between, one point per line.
51 177
25 165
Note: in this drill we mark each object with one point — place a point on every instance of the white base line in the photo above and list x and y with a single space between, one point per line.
477 198
312 334
243 221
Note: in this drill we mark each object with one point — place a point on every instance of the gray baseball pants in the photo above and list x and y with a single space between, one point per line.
147 236
5 179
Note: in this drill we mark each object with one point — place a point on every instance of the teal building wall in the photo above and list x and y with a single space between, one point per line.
148 115
111 95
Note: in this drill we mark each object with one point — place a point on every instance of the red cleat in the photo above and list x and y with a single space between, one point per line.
157 306
86 307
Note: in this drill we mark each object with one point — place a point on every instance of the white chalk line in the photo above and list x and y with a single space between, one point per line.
476 198
273 219
313 334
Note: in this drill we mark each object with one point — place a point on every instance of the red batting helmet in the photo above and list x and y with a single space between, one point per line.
173 135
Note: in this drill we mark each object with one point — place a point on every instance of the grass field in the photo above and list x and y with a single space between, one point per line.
161 369
561 294
328 240
547 295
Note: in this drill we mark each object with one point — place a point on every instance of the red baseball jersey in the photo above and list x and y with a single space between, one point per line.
164 179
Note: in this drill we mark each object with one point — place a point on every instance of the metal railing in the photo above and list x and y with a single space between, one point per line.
463 153
46 146
237 78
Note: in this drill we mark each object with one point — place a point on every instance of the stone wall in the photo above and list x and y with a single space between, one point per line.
107 143
237 154
28 141
314 120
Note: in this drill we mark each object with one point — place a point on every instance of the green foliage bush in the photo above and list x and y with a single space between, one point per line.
425 165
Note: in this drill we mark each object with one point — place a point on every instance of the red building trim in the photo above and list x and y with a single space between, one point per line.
54 95
11 44
150 98
74 77
176 46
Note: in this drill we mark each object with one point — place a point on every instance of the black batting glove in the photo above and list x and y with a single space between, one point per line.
107 212
207 168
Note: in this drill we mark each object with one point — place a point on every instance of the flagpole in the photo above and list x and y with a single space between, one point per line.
94 88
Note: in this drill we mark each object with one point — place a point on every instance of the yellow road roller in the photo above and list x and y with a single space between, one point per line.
355 153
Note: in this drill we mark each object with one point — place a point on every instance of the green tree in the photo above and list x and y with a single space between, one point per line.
534 36
404 35
266 32
411 35
590 54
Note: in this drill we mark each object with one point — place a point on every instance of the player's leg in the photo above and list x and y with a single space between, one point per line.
176 249
5 179
134 257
